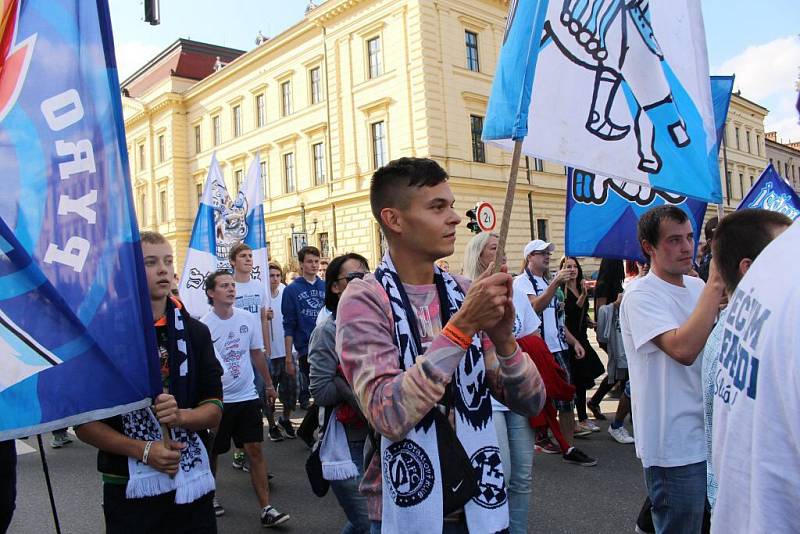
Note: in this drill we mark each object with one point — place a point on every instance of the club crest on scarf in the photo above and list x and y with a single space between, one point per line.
409 472
491 481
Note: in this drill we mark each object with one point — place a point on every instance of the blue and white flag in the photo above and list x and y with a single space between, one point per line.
603 213
76 335
617 87
772 192
221 223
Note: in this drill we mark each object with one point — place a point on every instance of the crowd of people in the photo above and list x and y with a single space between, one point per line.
432 390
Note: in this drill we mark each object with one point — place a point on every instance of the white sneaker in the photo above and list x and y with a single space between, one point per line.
621 435
591 426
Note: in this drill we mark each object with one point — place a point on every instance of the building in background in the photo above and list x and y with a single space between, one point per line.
785 156
351 86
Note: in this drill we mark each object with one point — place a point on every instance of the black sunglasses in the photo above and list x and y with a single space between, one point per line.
352 276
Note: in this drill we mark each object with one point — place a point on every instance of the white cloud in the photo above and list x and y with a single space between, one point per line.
770 71
132 55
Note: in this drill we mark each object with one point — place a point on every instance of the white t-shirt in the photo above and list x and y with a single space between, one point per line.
251 296
276 325
756 430
666 396
553 326
233 339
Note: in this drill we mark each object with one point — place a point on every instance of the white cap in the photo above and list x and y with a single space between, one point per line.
537 245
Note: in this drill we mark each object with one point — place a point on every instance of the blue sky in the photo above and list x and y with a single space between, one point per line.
758 40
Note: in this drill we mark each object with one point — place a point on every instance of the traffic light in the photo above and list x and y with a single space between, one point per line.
472 224
152 12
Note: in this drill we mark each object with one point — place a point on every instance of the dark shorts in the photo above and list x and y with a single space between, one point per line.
562 359
286 385
152 515
241 421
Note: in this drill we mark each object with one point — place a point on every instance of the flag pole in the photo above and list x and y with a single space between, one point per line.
720 210
511 190
49 485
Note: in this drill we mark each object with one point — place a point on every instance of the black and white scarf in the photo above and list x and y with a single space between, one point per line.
194 478
412 485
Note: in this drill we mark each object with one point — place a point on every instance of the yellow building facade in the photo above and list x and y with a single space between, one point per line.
353 85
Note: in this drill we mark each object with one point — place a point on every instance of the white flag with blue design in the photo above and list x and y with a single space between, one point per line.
616 87
221 223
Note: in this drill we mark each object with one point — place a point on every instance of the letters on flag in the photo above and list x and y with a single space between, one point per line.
221 223
603 213
619 88
76 335
771 192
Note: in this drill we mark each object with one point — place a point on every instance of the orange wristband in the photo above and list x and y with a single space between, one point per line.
457 336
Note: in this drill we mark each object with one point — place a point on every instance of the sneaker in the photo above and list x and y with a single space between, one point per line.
287 427
246 465
591 426
547 447
59 440
578 457
621 435
238 460
270 517
275 434
597 413
581 430
218 509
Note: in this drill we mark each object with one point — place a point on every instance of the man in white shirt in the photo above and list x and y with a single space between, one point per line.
286 384
666 318
756 386
541 293
236 335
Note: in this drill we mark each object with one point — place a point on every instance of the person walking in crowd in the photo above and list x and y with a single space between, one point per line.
302 301
8 483
285 384
576 316
534 282
251 296
150 484
515 437
704 263
323 267
666 317
345 432
401 335
236 335
750 376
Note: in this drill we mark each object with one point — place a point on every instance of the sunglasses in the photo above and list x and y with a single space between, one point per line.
352 276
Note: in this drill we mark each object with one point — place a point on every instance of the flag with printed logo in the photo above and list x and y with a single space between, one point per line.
772 192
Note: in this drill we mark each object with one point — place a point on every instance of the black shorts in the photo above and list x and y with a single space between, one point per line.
152 515
241 421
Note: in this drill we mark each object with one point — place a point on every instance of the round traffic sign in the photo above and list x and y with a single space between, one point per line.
487 219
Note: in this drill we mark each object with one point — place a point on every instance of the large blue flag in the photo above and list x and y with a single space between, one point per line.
603 213
76 335
771 192
617 87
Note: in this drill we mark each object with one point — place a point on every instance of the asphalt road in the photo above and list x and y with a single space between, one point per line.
566 498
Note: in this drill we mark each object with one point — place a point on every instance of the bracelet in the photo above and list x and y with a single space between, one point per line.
456 336
146 454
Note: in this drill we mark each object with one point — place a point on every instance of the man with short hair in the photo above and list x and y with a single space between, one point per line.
705 260
541 292
752 366
286 385
323 266
236 335
666 317
302 301
417 343
137 473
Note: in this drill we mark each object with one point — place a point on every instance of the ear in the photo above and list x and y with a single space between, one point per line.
744 266
392 220
648 248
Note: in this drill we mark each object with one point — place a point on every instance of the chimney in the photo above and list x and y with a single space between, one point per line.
772 136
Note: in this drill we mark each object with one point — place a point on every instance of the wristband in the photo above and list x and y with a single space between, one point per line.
146 453
456 336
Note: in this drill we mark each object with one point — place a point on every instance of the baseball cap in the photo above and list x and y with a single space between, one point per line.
537 245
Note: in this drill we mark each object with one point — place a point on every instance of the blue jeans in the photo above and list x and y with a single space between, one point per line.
448 528
678 495
515 438
303 369
352 502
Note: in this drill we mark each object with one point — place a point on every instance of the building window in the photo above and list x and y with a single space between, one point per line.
263 176
315 82
162 149
288 173
162 205
198 146
538 165
238 179
786 170
751 180
324 245
142 160
472 51
747 138
215 128
741 185
143 208
261 112
237 121
319 164
758 144
541 229
738 146
286 98
374 53
378 144
198 190
478 148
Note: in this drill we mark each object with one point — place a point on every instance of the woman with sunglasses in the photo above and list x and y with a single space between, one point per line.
332 393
